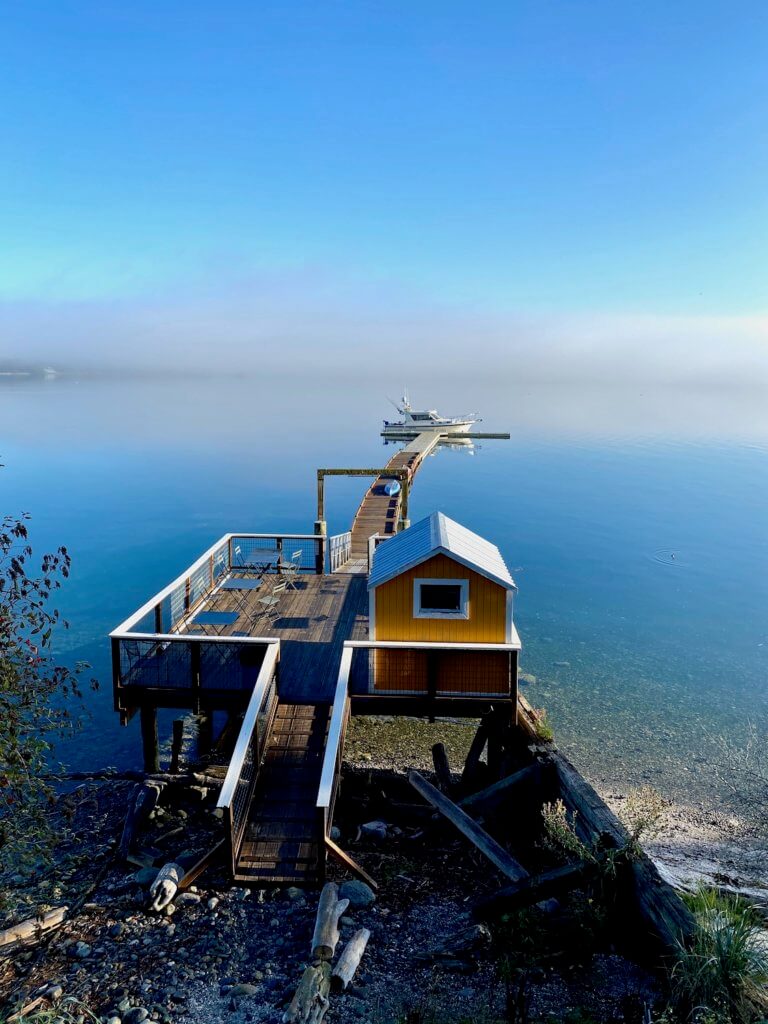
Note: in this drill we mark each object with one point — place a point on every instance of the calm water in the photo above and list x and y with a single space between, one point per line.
640 553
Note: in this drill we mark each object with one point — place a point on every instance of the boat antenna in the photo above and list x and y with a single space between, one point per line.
393 402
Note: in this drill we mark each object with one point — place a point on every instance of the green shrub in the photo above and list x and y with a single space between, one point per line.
723 973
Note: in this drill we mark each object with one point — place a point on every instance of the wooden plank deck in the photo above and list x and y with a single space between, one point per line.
312 623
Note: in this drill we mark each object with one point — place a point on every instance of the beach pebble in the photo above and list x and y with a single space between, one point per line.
374 830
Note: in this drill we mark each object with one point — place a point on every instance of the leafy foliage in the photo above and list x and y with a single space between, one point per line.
35 695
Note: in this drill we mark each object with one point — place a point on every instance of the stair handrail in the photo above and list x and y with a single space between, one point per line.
334 745
244 747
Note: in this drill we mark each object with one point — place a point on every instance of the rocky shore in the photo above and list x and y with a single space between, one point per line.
219 953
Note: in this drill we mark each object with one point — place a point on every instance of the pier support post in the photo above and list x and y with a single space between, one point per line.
149 739
321 530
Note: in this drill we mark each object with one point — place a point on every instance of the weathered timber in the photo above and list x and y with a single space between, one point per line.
349 961
208 858
149 739
176 744
662 917
143 800
460 948
310 1000
660 908
165 885
329 912
476 748
494 798
31 930
349 862
442 768
469 828
532 890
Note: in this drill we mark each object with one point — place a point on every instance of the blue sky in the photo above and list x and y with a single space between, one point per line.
524 159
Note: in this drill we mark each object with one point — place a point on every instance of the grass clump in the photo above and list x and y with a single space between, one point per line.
543 726
721 977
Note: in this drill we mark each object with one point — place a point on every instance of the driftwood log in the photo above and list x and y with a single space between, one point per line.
476 748
30 930
329 912
310 1000
469 828
349 961
165 885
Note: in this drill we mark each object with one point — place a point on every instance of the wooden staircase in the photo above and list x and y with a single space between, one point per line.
281 841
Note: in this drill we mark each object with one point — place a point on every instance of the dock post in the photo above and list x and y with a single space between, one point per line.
149 738
321 530
403 522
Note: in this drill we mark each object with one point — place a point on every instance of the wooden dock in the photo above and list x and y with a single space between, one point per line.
378 513
284 671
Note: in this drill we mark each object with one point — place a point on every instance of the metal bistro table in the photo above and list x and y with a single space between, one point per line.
218 621
241 588
260 559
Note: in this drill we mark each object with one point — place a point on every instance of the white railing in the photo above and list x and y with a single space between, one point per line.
173 602
339 549
240 780
334 743
373 542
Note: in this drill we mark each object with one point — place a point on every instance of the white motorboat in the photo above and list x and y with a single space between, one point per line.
426 420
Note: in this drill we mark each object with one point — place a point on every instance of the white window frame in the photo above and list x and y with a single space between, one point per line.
435 613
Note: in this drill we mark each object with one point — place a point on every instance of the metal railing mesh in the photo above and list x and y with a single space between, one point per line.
268 554
415 671
250 768
156 663
170 663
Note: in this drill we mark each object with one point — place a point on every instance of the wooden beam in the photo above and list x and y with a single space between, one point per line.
349 863
202 864
149 739
532 890
469 828
491 799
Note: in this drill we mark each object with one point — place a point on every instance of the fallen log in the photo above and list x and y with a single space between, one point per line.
310 1000
329 911
349 961
442 768
459 949
490 800
31 930
468 827
532 890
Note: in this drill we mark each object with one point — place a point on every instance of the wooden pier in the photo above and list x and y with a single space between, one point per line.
296 671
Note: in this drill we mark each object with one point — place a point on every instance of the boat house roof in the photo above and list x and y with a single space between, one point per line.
437 534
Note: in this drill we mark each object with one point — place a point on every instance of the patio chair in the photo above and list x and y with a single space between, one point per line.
266 606
290 569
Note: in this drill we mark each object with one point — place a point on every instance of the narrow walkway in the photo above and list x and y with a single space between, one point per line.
378 512
281 843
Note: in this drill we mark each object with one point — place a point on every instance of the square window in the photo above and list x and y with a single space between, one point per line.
441 599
